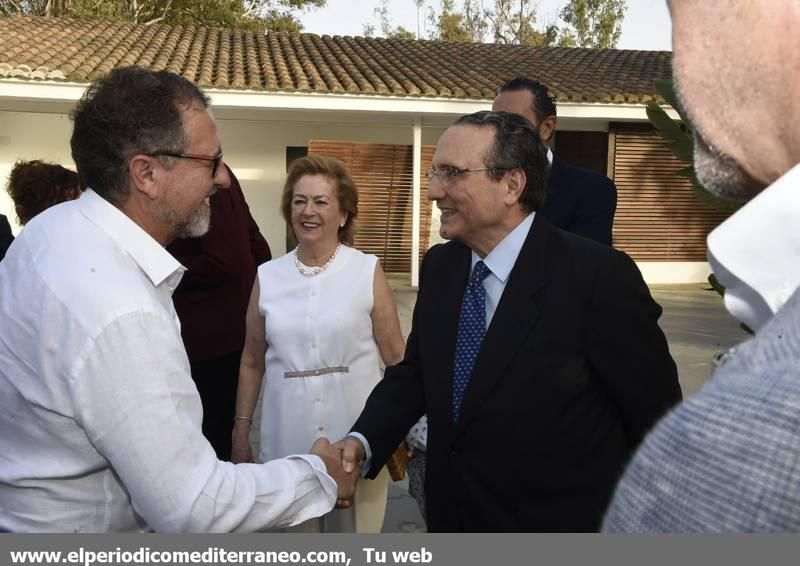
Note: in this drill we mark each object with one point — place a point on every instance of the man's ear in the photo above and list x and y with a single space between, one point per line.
144 174
547 128
516 183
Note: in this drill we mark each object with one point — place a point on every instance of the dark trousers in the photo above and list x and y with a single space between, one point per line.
217 380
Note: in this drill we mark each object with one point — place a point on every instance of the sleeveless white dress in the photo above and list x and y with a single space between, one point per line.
322 361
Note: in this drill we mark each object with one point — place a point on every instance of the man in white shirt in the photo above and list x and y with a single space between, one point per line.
101 420
727 459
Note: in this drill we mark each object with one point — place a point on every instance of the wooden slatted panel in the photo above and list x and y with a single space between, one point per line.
658 217
383 174
584 149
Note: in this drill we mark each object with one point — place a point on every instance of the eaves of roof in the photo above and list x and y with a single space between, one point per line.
73 51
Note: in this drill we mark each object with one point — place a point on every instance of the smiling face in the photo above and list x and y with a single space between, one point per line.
475 208
185 203
315 211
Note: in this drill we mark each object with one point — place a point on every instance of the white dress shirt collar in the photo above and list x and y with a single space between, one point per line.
502 258
756 252
549 156
154 260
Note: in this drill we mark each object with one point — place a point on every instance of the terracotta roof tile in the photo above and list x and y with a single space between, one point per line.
73 50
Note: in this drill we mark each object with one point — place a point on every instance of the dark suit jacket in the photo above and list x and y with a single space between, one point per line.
580 201
6 236
571 374
211 300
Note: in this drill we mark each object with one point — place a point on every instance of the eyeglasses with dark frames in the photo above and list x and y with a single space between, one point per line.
449 174
216 159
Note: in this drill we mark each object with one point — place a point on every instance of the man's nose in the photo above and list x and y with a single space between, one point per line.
435 190
222 180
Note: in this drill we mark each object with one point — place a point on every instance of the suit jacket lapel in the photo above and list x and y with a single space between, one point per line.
451 277
514 319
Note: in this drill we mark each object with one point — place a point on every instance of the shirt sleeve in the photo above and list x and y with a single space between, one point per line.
367 463
140 409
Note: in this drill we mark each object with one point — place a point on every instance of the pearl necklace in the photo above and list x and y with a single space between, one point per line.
312 270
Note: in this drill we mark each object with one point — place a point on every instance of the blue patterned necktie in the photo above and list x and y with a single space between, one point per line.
471 328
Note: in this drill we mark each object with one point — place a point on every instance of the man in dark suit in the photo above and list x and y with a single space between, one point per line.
578 200
211 302
529 427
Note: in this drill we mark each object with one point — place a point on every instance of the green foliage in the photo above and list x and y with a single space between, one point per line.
594 23
716 285
257 15
385 22
514 22
402 33
29 7
584 23
454 25
680 141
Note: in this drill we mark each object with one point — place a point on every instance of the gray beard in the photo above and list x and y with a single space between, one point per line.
716 171
720 174
194 226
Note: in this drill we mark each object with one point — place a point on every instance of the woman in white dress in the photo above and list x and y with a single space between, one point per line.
320 320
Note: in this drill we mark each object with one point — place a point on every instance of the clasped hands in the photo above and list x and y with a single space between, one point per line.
343 462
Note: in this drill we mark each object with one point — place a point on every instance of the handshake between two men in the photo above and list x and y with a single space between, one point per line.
343 462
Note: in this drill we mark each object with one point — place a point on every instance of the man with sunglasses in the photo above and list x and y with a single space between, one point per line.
100 419
535 353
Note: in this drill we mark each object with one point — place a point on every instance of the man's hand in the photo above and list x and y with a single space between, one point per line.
345 481
352 455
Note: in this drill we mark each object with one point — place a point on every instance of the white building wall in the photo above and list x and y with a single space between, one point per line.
30 136
671 272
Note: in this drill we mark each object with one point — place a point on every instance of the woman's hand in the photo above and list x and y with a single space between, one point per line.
241 451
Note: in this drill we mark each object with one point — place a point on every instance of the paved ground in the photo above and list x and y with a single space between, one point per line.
697 327
694 321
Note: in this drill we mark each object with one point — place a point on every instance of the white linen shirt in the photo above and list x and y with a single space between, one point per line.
100 418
